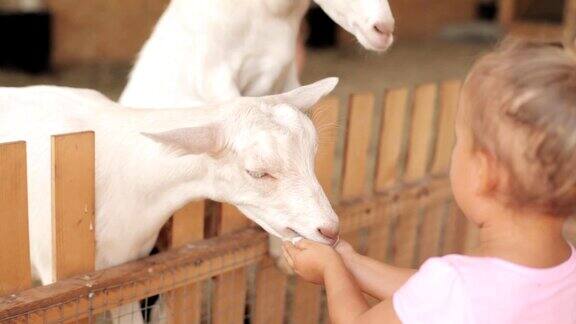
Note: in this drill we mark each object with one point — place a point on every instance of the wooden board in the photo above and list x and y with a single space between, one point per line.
435 216
507 11
270 294
229 297
392 145
187 226
73 204
393 139
14 255
418 160
570 23
306 301
356 147
356 151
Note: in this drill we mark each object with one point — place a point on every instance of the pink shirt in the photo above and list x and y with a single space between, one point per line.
461 289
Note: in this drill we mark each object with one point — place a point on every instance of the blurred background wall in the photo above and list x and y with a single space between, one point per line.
116 29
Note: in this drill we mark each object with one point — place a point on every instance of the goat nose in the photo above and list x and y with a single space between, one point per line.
384 28
330 233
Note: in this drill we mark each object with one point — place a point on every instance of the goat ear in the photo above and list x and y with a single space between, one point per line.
305 97
191 140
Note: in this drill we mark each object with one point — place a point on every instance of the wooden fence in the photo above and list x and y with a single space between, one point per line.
386 174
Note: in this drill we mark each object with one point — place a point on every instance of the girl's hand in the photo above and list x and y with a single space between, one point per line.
310 260
344 248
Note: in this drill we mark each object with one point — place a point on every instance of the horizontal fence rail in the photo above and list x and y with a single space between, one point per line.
383 163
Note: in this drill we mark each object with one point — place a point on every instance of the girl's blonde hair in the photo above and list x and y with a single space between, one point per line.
521 109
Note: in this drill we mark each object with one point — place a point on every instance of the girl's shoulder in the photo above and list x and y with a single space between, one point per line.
488 267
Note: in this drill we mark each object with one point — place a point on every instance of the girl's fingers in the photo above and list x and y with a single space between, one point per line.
290 249
304 244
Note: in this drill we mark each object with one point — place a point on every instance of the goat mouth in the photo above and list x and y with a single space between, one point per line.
294 233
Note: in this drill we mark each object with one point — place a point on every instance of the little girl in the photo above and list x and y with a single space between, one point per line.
513 174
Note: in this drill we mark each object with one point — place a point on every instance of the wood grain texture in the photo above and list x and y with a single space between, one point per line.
229 296
392 146
15 270
507 11
393 138
270 294
356 151
101 31
436 214
419 158
570 23
73 204
184 305
356 147
306 301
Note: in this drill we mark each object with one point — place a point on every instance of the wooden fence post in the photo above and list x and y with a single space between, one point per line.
73 205
391 149
306 302
356 152
435 216
229 296
507 11
418 160
570 23
186 226
15 274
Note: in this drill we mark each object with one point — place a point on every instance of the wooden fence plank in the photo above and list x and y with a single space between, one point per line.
187 226
15 271
306 301
391 149
449 96
270 293
356 151
570 23
435 216
507 12
73 208
418 161
356 146
229 296
73 204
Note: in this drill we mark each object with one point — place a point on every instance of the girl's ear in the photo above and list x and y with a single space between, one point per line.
486 173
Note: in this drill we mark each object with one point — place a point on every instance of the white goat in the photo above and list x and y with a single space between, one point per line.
208 51
211 51
255 153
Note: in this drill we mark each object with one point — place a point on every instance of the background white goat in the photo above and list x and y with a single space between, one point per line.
209 51
255 153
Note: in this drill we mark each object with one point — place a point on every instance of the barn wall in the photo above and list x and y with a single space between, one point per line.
101 30
425 18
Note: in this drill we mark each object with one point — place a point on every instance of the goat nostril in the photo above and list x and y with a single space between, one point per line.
329 233
383 29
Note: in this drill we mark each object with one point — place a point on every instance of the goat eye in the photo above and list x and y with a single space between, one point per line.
257 174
